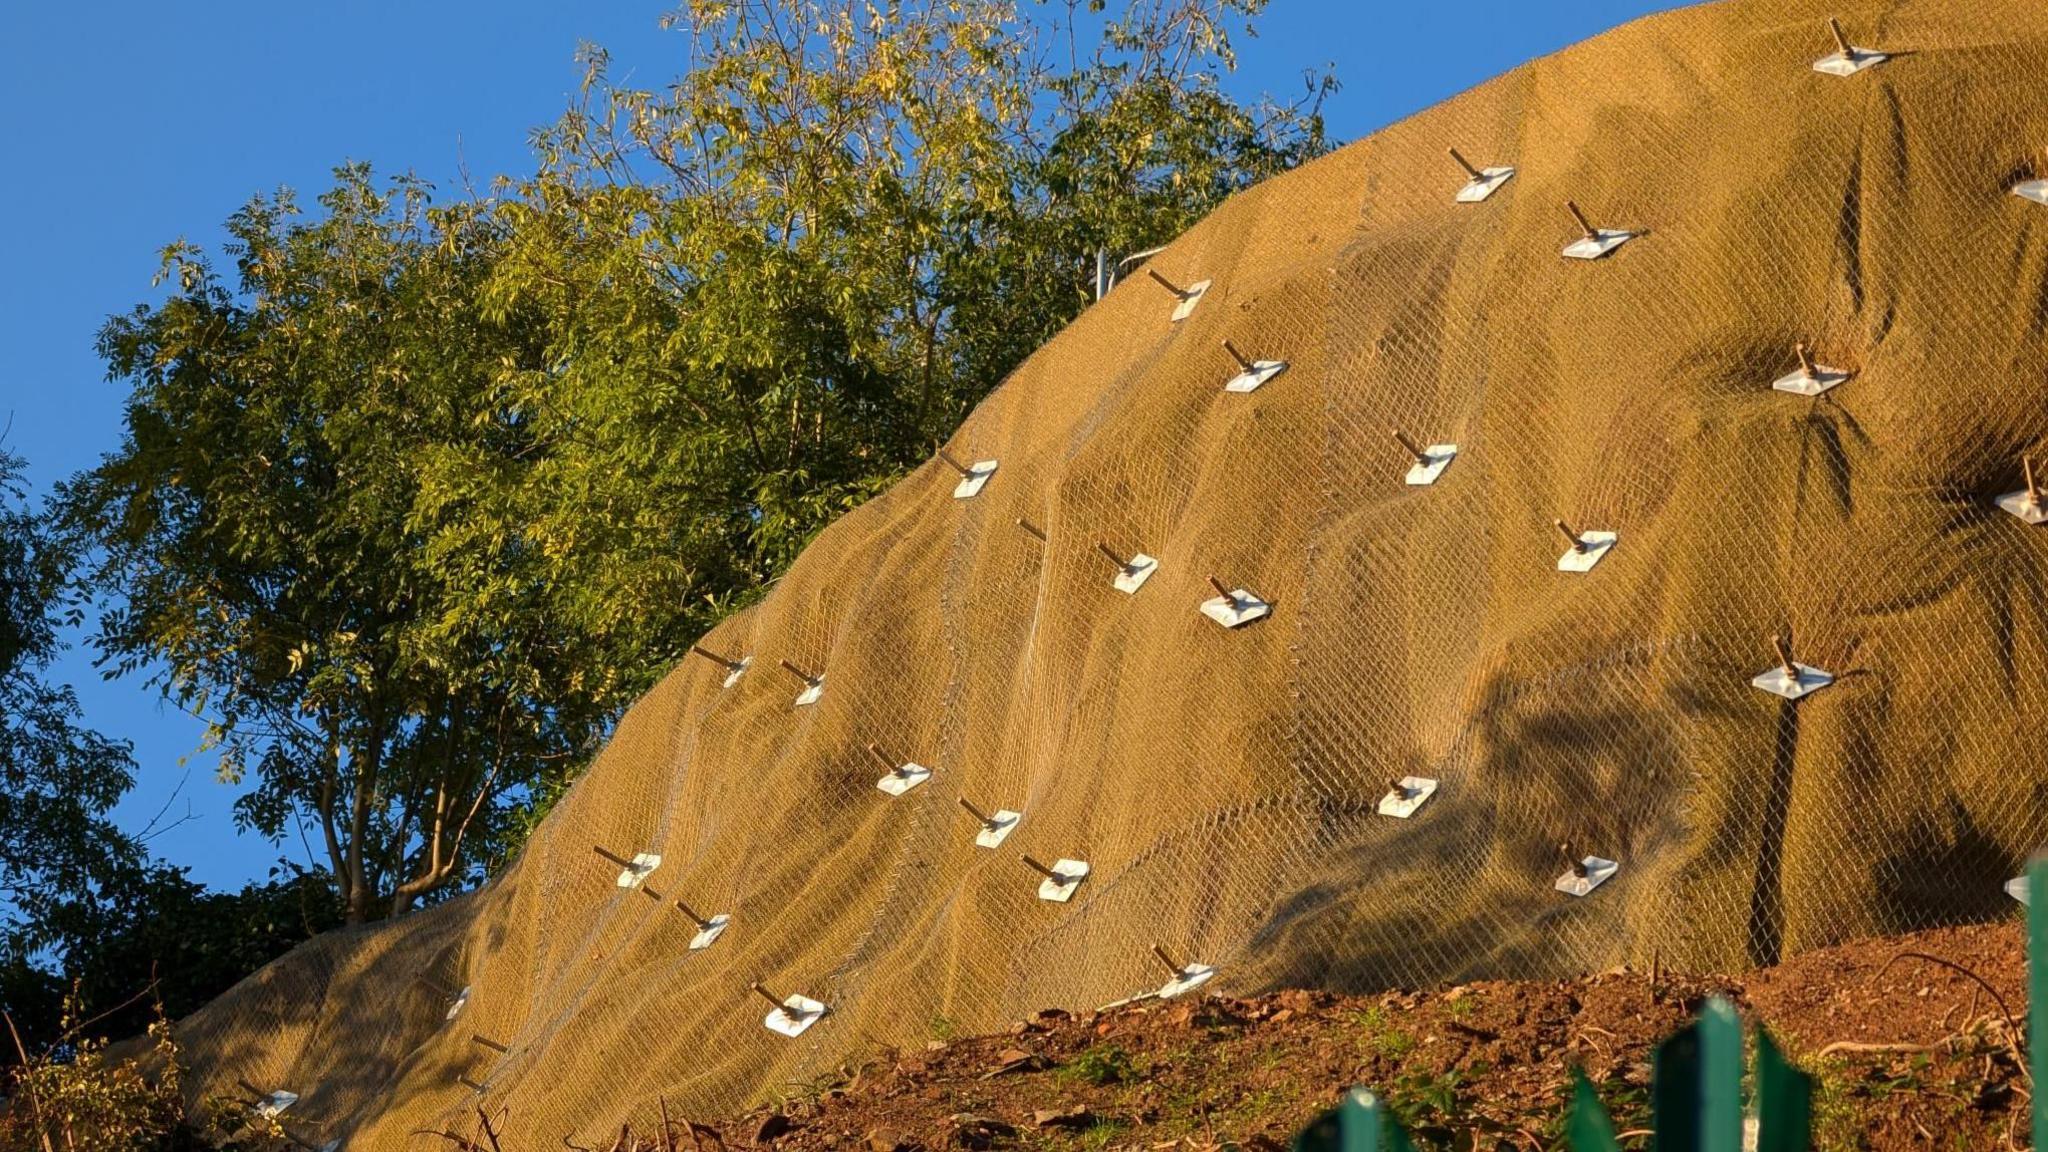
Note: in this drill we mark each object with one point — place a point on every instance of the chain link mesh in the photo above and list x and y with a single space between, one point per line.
1223 784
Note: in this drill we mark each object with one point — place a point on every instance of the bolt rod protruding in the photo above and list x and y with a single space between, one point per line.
1122 564
646 889
1841 41
1169 285
1243 361
493 1045
1806 367
955 465
1474 173
715 658
1042 870
1031 529
1784 648
1166 958
1577 862
1223 590
686 910
2033 488
1578 542
1413 448
799 673
987 821
770 997
885 760
1585 225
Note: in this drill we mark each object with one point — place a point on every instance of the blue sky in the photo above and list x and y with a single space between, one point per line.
133 125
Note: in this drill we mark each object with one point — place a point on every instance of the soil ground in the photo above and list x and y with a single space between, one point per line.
1907 1053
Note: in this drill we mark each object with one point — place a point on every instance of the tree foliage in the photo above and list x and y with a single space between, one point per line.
73 1095
57 779
261 523
155 941
770 287
89 918
415 499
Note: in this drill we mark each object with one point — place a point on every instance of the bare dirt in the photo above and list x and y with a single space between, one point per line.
1907 1053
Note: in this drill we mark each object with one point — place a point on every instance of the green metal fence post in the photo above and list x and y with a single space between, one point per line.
1588 1128
1720 1078
2037 988
1360 1124
1675 1091
1784 1095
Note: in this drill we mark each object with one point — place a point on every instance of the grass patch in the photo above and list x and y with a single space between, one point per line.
1101 1065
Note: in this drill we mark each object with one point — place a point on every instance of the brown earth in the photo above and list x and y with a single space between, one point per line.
1906 1053
1224 784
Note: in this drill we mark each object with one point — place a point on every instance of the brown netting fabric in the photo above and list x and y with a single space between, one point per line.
1224 784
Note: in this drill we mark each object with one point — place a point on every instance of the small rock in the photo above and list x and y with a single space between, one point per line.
935 1045
773 1125
1075 1117
1015 1060
978 1132
1282 1016
887 1140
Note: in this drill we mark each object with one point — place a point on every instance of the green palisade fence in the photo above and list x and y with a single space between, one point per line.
1695 1092
2037 988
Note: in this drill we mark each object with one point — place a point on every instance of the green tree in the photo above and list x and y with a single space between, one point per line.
57 779
156 941
88 918
258 522
768 288
414 503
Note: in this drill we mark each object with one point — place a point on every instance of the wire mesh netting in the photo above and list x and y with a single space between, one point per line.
1224 785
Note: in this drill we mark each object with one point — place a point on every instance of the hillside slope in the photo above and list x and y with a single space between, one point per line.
1904 1054
1223 784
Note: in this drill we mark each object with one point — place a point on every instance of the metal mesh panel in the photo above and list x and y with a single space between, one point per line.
1224 785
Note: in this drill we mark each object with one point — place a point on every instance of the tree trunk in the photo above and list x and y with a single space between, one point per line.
368 760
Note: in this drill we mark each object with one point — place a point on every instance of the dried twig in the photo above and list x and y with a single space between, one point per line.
454 1138
2012 1028
27 1084
1860 1046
